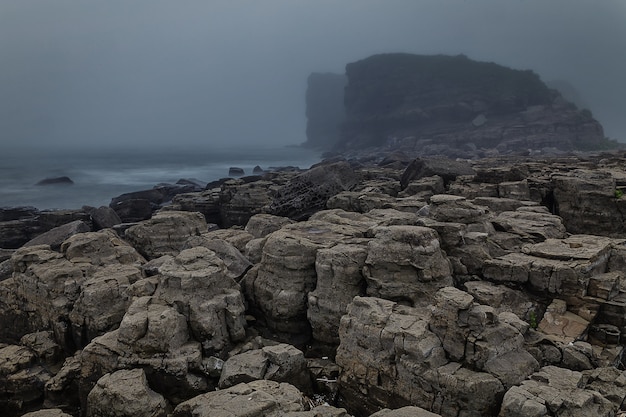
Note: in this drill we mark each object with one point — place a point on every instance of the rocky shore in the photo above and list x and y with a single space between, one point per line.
387 285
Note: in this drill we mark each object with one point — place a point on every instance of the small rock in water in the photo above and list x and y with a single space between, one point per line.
55 180
258 170
236 172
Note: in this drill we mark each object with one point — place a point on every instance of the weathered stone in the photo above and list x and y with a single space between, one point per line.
555 391
125 393
308 192
54 237
531 226
236 263
447 169
390 357
197 279
405 263
586 201
261 225
278 288
165 233
450 208
339 280
241 200
409 411
266 398
52 412
103 217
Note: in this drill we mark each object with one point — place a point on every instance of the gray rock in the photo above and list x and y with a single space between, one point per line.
266 398
125 393
339 280
165 233
56 236
308 192
52 412
557 391
447 169
406 264
261 225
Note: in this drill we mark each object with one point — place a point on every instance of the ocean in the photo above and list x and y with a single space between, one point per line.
100 175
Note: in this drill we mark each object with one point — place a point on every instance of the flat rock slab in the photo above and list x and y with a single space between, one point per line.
577 247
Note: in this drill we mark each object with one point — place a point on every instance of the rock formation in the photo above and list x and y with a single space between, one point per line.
325 111
490 287
446 105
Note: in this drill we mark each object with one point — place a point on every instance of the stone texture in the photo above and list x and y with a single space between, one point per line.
445 168
339 280
555 391
165 233
406 264
391 358
54 237
76 294
308 192
257 398
125 393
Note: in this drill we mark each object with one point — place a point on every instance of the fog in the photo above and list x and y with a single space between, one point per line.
198 73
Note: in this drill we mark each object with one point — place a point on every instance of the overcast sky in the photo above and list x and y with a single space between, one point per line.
196 72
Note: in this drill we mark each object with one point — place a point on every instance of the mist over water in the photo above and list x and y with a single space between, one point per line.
101 175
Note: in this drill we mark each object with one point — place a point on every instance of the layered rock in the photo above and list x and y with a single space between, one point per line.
308 192
391 355
78 293
165 233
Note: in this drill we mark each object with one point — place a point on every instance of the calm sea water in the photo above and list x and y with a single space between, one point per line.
101 175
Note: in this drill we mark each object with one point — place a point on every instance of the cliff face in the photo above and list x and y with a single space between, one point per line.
442 104
324 109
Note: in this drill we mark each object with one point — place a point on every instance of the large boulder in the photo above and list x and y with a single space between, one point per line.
125 393
406 264
165 233
78 293
256 398
390 358
447 169
557 391
308 192
277 288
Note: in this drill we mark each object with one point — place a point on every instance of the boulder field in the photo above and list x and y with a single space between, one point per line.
385 287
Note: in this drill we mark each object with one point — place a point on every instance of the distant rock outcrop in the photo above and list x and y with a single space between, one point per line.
324 109
451 106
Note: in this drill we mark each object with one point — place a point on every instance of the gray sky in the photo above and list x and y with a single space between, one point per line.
197 72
